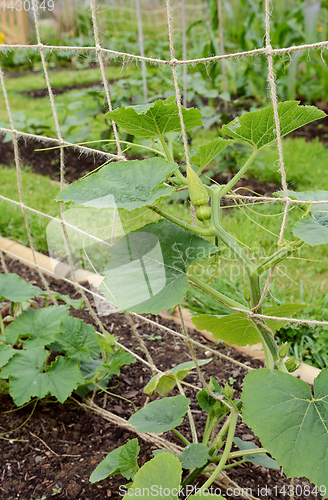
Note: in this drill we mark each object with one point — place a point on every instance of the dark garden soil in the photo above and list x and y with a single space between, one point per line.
59 90
53 454
48 162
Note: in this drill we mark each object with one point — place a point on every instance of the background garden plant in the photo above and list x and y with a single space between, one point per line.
45 352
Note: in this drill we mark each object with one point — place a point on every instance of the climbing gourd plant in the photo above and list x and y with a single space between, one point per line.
148 270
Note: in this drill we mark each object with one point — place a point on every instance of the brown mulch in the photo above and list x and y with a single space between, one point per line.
53 454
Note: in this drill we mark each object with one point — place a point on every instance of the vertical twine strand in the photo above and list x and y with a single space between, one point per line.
142 344
3 262
184 51
173 64
103 73
142 51
273 92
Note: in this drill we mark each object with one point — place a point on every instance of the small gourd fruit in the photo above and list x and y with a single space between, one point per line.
197 191
292 364
203 213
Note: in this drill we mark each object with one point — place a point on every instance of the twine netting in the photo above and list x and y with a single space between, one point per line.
102 55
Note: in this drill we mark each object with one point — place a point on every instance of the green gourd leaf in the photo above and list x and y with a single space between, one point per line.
259 459
291 423
127 459
15 289
124 184
28 379
283 311
258 129
78 339
161 415
234 328
206 153
6 352
154 119
39 325
159 478
165 382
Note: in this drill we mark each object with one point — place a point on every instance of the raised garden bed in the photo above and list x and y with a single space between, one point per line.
53 454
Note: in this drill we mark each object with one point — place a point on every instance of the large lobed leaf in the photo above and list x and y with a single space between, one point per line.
122 460
124 184
27 378
161 415
147 269
6 352
239 329
163 383
159 478
157 118
40 325
15 289
312 230
234 328
206 153
78 339
258 128
291 424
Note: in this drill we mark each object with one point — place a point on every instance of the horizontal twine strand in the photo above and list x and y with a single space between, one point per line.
44 138
151 60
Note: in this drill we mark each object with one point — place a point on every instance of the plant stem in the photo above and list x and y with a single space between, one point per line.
278 256
207 431
169 156
165 148
193 475
280 364
229 466
269 346
2 326
232 244
181 177
219 438
241 453
226 187
225 455
171 144
227 239
180 436
201 231
220 296
190 417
